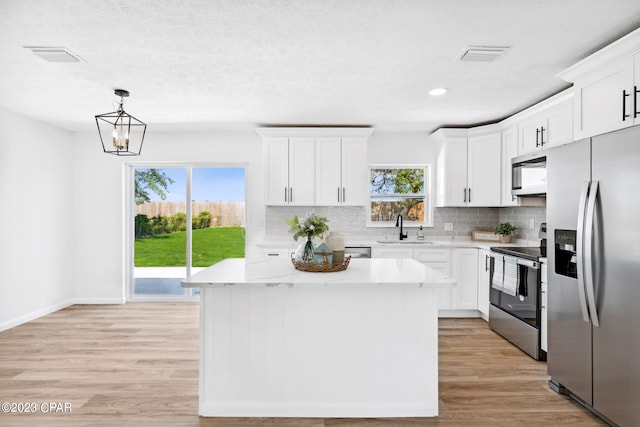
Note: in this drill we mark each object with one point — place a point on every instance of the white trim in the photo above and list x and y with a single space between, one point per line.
314 131
99 300
8 324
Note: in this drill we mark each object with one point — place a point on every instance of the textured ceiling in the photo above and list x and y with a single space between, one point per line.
319 62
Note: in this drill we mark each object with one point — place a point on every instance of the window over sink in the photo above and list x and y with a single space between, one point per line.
399 190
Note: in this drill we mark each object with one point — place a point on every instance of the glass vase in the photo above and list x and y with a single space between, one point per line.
304 252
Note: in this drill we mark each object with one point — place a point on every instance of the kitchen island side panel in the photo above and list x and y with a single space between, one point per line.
288 351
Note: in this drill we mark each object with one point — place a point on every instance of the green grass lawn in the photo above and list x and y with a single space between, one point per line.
209 245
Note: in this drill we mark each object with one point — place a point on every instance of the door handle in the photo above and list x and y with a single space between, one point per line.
580 251
465 195
624 105
588 254
285 194
338 194
537 136
486 262
344 195
636 113
469 195
542 136
290 194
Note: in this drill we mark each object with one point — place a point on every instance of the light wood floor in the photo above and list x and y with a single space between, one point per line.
137 365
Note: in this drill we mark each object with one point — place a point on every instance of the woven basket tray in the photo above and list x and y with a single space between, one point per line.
321 268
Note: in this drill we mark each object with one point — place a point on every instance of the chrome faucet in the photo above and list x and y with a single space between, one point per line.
399 221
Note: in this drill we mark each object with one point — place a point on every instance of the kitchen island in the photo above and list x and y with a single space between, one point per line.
278 342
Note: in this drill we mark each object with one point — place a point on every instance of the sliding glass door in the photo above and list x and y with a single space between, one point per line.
184 219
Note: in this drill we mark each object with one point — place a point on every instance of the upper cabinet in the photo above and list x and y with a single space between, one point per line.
289 171
315 166
341 171
509 151
606 85
547 126
468 167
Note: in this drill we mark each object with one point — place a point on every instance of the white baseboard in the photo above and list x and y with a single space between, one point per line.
99 301
34 315
55 307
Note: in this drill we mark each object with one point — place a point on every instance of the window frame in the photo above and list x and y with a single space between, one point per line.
428 196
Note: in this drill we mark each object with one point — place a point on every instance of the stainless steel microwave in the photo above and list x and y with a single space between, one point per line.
529 175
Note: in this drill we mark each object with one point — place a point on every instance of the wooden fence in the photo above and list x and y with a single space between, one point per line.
225 214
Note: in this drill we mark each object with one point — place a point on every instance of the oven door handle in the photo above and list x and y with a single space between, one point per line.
529 264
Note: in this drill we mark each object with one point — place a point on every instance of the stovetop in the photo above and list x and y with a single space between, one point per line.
532 253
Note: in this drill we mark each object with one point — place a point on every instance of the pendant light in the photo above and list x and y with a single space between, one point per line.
121 134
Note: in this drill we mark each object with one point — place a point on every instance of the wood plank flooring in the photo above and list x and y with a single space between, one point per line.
137 365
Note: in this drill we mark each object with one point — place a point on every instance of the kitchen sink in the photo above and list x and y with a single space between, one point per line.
405 242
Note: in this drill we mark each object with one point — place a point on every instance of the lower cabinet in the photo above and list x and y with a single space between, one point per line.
459 263
484 276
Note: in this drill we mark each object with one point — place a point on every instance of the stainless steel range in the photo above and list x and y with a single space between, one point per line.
514 311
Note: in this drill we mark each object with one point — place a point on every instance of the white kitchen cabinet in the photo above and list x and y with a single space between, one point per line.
547 128
275 253
439 259
341 172
289 171
387 252
464 267
483 170
543 308
468 168
315 166
509 151
484 277
606 84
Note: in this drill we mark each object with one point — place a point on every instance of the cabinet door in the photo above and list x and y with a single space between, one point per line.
381 252
599 100
301 171
636 96
509 151
455 172
355 172
484 276
465 271
558 127
530 135
483 179
277 173
328 171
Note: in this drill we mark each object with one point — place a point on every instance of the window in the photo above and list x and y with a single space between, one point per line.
395 190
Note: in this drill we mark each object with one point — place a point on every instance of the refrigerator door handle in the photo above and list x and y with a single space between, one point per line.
588 254
580 251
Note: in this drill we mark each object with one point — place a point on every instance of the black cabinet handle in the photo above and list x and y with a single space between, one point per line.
285 194
624 105
542 136
537 136
486 262
344 195
338 194
290 194
465 195
469 195
635 102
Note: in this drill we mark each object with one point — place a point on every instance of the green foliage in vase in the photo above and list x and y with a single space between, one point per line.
312 225
505 229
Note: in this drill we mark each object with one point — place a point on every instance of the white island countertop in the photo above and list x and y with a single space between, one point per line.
361 272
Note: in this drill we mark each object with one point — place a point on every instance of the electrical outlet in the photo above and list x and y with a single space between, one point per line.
448 226
532 223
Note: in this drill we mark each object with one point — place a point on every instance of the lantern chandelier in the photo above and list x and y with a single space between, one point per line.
121 134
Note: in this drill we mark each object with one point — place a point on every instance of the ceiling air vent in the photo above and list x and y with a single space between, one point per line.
54 54
481 53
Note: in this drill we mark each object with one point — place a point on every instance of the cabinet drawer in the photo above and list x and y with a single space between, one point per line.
278 253
391 253
432 255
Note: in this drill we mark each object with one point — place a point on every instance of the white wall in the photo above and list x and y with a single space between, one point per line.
36 230
99 199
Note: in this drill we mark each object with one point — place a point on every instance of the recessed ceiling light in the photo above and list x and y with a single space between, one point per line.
54 54
438 91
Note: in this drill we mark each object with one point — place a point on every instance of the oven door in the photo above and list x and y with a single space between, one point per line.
524 302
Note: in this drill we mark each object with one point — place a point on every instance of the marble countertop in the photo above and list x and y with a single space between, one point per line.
277 272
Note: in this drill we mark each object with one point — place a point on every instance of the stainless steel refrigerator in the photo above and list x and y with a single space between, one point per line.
593 300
